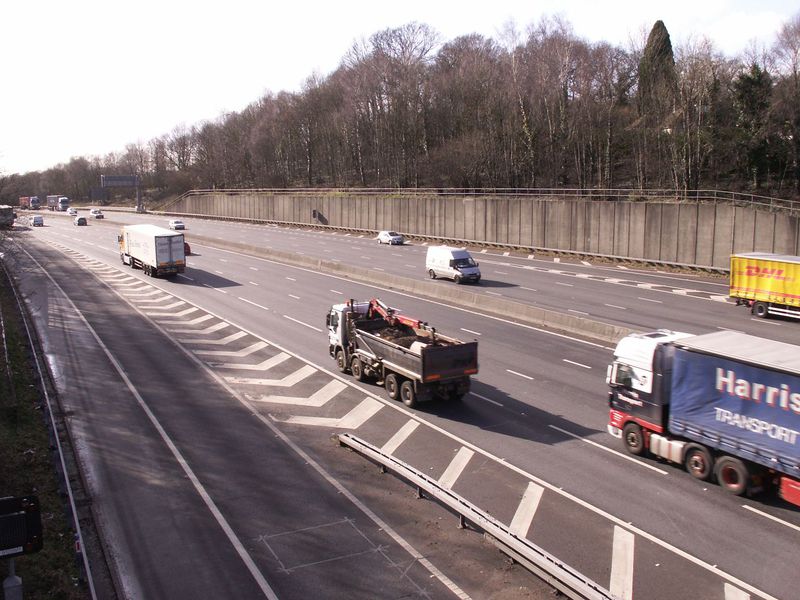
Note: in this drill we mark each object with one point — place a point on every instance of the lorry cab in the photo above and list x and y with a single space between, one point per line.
452 263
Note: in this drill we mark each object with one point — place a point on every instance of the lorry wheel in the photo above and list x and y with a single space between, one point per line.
357 369
407 394
341 362
392 385
732 475
760 310
698 462
431 273
633 438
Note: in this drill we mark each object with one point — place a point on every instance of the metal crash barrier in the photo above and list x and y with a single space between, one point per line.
561 576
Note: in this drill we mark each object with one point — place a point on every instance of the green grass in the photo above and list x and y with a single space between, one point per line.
27 464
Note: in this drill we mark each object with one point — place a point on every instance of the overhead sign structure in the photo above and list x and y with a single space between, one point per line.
119 181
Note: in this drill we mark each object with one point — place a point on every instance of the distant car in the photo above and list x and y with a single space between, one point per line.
187 249
176 224
72 212
96 213
390 237
37 221
79 221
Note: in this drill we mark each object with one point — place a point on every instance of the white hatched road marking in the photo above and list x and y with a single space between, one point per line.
200 319
152 300
288 381
182 313
622 564
352 420
170 306
521 523
221 342
264 366
456 467
398 438
734 593
142 295
210 329
317 399
234 353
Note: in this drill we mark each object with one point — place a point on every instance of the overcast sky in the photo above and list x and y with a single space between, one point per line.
88 77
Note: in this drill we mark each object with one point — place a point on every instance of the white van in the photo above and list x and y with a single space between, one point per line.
452 263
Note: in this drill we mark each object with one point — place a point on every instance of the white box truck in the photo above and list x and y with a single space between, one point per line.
452 263
155 250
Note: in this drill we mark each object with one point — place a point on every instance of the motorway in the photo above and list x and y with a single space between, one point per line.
233 356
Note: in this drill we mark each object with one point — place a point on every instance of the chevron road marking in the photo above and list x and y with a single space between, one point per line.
142 286
153 300
262 366
169 306
234 353
352 420
192 322
622 564
734 593
288 381
142 295
182 313
221 342
317 399
456 467
521 523
210 329
120 276
400 437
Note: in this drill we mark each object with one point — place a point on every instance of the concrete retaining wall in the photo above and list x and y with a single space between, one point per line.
694 234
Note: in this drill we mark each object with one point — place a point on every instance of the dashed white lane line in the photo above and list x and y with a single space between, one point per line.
527 289
303 324
221 291
336 292
768 516
501 273
564 284
411 266
577 312
650 300
615 306
495 402
253 268
219 272
622 564
520 374
253 303
601 447
493 293
253 283
293 296
185 277
470 331
291 279
577 364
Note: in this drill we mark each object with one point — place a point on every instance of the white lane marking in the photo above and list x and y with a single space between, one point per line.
623 267
262 366
378 269
501 272
399 437
234 353
484 251
185 277
153 300
519 374
456 467
352 420
486 399
577 312
577 364
176 453
531 256
221 342
170 306
647 286
303 324
523 517
734 593
564 284
470 331
728 329
223 260
587 263
612 451
768 516
210 329
527 289
615 306
506 253
219 272
335 292
764 321
293 296
650 300
493 293
319 398
291 279
182 313
221 291
291 379
253 303
253 268
192 322
253 283
622 564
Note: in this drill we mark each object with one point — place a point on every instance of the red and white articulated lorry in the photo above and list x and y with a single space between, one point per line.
726 405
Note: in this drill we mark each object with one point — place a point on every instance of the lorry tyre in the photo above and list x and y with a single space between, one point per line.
341 362
357 369
431 273
760 310
392 385
699 462
732 475
407 394
633 438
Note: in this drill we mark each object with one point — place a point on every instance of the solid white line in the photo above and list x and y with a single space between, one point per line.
768 516
622 564
577 364
456 467
601 447
650 300
523 517
520 374
253 303
399 437
470 331
303 324
486 399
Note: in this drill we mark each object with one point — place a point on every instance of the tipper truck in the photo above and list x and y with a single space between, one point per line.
726 405
7 216
769 284
411 359
157 251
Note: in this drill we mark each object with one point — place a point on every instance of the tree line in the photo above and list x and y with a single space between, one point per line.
543 109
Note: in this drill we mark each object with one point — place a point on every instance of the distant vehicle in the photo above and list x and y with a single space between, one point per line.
7 216
390 237
35 204
176 224
96 213
72 212
452 263
79 221
157 251
37 221
29 202
769 284
56 202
